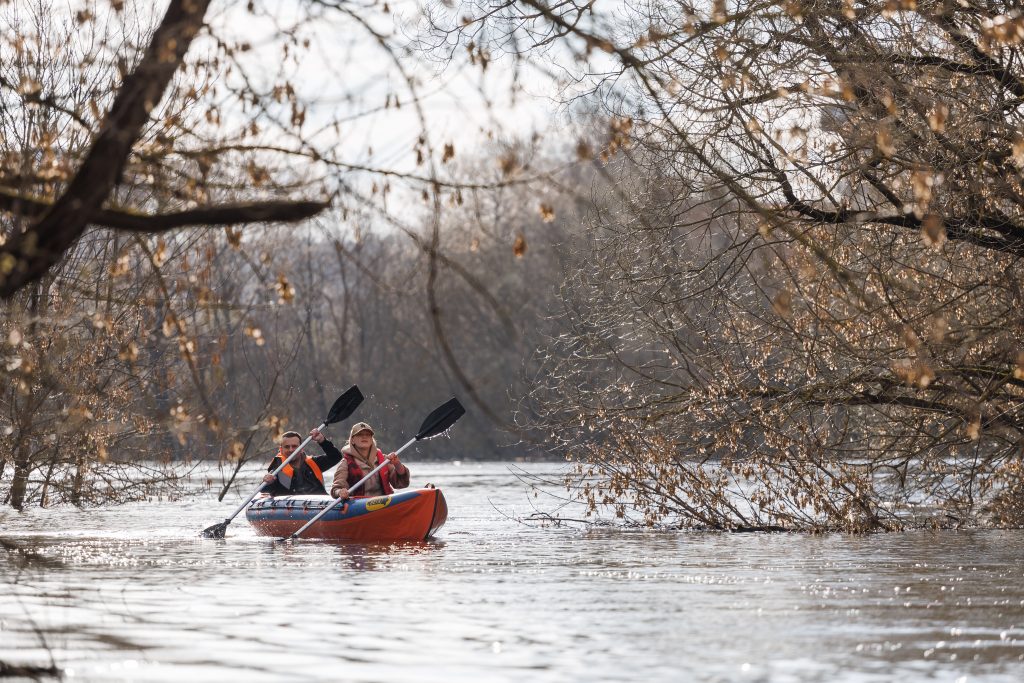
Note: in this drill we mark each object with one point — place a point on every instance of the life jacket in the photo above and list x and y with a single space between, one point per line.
355 473
286 474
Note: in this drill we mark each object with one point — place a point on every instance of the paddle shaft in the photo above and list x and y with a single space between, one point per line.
359 483
275 472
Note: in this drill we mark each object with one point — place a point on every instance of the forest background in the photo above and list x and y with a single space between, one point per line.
760 272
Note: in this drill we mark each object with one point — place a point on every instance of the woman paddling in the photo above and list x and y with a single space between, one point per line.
361 456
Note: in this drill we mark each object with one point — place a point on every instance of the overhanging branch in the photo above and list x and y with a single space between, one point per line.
223 214
28 256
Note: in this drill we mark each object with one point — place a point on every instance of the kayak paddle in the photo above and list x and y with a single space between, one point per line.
437 423
342 408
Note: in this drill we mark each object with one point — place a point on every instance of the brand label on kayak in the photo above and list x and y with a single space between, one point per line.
378 503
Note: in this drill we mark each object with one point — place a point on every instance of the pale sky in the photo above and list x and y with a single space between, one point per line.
348 73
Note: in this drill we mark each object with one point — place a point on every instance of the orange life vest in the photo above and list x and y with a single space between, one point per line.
286 474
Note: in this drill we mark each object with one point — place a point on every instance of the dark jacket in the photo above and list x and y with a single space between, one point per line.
304 480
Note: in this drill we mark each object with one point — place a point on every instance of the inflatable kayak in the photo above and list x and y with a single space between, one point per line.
412 515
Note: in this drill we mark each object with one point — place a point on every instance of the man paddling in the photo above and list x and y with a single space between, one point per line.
304 474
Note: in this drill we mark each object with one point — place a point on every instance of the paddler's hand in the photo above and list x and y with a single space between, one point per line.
269 478
342 493
395 462
317 436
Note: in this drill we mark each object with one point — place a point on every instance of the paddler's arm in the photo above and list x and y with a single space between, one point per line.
331 457
271 484
399 473
339 487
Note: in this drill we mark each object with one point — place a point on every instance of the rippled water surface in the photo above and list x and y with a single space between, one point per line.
132 593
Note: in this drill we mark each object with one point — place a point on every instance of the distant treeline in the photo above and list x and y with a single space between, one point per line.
208 344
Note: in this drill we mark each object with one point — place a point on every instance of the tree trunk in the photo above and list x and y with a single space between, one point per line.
22 467
46 483
81 467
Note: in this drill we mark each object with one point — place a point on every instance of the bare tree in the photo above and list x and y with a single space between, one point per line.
802 310
48 228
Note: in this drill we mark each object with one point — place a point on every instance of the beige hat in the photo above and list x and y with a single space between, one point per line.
359 427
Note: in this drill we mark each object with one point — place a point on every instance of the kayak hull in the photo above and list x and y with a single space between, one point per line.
412 515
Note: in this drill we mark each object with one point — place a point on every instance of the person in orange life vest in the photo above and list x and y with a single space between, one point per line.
304 474
361 456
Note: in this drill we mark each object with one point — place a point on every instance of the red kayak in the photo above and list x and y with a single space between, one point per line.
412 515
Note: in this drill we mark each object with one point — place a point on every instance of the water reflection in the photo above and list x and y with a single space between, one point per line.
359 557
135 594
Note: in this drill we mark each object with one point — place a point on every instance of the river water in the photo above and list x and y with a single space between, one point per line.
132 593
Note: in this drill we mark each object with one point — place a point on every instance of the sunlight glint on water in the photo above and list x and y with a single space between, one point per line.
134 594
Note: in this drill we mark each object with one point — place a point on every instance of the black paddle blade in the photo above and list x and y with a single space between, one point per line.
217 530
345 405
441 419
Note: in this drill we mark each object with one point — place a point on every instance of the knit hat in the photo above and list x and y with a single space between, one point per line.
359 427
